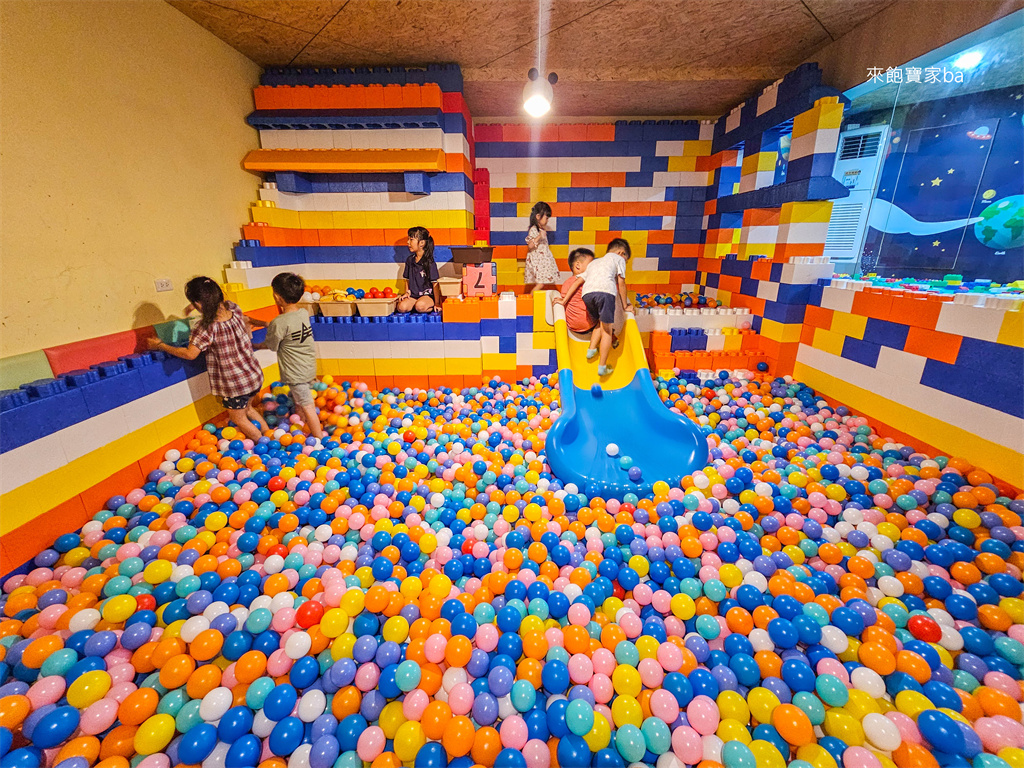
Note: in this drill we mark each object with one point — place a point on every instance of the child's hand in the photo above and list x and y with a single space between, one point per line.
558 300
153 342
629 307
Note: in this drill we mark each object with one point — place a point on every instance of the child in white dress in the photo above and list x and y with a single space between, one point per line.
541 269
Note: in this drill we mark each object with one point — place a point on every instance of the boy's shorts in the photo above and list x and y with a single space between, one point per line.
238 403
301 394
600 306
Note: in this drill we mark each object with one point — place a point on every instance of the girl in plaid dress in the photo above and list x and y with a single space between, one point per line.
224 334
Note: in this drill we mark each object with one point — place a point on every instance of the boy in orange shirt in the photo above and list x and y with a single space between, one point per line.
576 316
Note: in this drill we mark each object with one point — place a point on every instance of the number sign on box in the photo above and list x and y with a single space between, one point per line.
480 279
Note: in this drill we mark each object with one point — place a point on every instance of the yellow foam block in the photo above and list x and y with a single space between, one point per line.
761 161
316 219
782 332
544 340
595 223
577 237
497 195
826 113
541 180
827 341
812 211
998 459
252 298
455 366
733 342
725 297
498 361
1012 330
274 217
635 238
849 325
653 278
356 368
696 148
682 164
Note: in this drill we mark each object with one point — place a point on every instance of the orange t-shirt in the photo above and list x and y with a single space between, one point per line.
576 315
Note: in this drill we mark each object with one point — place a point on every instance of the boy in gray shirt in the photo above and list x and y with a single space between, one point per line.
290 335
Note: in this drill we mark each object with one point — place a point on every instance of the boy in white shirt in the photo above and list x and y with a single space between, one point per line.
604 282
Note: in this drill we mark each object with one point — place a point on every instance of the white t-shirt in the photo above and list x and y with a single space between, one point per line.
600 276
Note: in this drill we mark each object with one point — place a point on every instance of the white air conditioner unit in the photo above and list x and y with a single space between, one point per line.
858 164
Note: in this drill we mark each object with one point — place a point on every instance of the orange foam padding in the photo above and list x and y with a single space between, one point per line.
874 302
102 349
819 317
934 345
393 96
348 160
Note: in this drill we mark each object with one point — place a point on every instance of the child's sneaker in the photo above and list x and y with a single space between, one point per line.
591 354
604 370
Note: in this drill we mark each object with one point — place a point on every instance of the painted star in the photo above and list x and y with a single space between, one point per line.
950 170
936 181
935 242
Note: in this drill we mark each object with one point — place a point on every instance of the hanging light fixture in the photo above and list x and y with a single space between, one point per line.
538 94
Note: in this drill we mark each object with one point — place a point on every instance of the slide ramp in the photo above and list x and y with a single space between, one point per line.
621 409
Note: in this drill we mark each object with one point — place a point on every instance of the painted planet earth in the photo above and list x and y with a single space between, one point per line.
1002 224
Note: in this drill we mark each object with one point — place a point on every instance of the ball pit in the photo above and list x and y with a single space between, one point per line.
419 590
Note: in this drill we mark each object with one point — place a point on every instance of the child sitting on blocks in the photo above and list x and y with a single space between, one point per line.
290 335
603 282
576 315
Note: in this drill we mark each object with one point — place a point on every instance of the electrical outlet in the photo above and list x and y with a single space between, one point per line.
164 284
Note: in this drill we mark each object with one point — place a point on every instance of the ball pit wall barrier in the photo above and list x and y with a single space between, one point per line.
56 481
613 431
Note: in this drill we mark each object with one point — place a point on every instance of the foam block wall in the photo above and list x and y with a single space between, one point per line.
941 368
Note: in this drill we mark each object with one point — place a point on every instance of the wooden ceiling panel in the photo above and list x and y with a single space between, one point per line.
265 42
613 57
471 33
840 16
613 98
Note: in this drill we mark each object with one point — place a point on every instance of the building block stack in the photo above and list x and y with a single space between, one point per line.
644 181
473 338
351 160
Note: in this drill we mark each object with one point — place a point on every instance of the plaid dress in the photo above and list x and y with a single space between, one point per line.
230 361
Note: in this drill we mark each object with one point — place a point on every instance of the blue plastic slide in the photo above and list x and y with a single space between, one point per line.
648 441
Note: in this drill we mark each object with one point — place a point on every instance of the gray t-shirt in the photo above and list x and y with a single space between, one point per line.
291 337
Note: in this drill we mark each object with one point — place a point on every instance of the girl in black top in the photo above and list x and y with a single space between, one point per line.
422 293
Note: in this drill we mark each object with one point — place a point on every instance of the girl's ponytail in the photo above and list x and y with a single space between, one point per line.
207 295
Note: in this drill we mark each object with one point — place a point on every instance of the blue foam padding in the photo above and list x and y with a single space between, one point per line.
524 323
462 331
664 445
499 210
507 344
886 333
342 120
998 388
863 352
447 76
494 327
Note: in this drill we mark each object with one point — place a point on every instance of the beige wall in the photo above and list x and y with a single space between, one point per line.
902 32
121 136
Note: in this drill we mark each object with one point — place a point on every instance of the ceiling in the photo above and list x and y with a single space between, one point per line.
694 58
